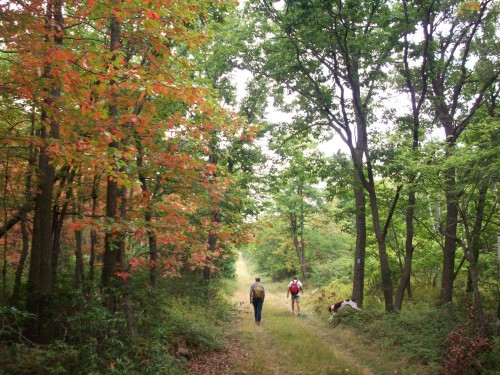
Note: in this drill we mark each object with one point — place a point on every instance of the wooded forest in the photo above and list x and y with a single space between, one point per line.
146 143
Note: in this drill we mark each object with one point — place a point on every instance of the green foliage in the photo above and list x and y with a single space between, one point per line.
141 337
491 362
183 319
57 358
12 321
424 335
328 249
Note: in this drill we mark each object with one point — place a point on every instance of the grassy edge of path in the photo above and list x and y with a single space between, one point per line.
283 343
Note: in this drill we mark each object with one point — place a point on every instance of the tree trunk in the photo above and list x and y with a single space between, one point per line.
153 259
152 241
359 256
297 245
79 266
16 218
112 241
93 233
385 270
111 255
417 94
476 229
22 260
40 281
59 216
126 302
25 235
369 185
212 236
450 244
480 319
404 281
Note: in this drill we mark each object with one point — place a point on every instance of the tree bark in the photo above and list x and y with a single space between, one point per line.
93 233
417 98
22 260
59 216
404 281
360 252
450 232
476 229
297 245
148 215
112 240
16 218
40 278
79 277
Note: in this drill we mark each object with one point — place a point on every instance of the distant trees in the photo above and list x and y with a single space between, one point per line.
343 63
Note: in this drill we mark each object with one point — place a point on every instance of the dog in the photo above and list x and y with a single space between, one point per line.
336 307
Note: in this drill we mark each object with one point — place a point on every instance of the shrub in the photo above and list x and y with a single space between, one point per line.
417 334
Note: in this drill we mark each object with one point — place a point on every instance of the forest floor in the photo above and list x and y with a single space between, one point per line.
285 343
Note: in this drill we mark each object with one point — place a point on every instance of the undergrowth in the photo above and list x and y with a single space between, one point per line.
435 339
141 337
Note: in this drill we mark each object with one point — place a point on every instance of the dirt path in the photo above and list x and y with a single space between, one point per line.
284 343
287 344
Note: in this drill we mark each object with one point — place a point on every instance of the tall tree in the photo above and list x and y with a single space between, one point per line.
292 187
452 29
332 54
415 79
40 280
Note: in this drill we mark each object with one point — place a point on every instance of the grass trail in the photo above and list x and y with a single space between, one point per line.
283 343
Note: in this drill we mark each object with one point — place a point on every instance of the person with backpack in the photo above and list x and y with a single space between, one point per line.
257 295
294 288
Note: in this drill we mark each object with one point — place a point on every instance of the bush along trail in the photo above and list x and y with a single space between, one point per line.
283 343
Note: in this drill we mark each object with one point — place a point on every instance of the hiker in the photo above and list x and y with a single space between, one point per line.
257 295
294 288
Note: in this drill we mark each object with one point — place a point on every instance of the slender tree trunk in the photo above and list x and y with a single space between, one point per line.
476 230
296 243
480 320
212 246
148 215
25 235
79 269
79 277
112 241
417 97
126 302
212 236
93 233
360 253
369 185
22 260
153 259
450 245
385 270
302 248
404 281
16 218
111 255
59 216
5 248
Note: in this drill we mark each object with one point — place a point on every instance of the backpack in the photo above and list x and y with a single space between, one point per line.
258 291
294 288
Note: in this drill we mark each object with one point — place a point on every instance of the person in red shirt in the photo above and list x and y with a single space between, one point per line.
294 289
